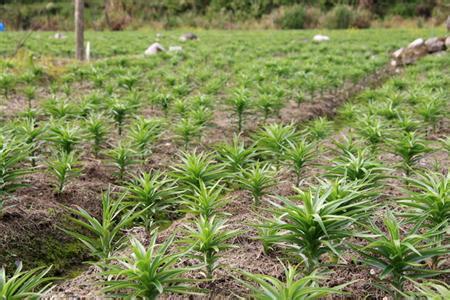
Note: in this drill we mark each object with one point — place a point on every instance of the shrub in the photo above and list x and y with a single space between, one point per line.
362 18
294 17
340 17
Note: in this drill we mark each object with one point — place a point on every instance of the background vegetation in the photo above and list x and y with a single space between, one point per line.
290 14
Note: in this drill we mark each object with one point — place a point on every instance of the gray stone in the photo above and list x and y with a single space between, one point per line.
434 44
188 37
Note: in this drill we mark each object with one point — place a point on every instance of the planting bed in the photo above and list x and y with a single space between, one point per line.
258 126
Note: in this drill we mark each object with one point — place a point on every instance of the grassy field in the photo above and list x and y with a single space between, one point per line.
250 164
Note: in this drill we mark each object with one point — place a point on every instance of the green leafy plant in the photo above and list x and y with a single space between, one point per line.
312 224
258 179
318 128
407 123
122 157
181 107
348 111
60 108
63 167
153 192
235 156
65 137
410 147
357 167
7 84
274 139
269 104
432 290
31 284
30 95
389 110
143 133
119 110
400 256
346 144
186 129
196 168
208 237
240 102
292 287
446 143
12 154
128 81
164 101
201 116
372 130
31 131
205 201
298 155
428 197
97 130
149 272
103 236
431 111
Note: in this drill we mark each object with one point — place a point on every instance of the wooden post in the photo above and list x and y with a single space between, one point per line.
79 29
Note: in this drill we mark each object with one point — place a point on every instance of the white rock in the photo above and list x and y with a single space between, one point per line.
175 49
154 49
417 43
447 43
393 63
59 36
398 53
320 38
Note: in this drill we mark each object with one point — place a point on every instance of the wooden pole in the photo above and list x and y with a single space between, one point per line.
79 29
